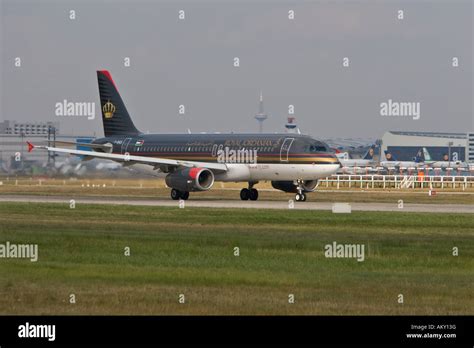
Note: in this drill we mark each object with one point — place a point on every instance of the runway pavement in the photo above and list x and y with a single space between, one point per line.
407 207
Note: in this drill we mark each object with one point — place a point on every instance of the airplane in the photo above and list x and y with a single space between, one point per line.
389 161
193 162
365 161
441 164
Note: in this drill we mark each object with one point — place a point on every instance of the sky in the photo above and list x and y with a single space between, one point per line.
190 62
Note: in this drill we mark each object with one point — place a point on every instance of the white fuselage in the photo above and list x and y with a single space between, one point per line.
356 162
276 172
398 164
446 164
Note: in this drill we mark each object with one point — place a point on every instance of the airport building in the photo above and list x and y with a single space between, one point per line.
470 147
14 135
27 128
405 145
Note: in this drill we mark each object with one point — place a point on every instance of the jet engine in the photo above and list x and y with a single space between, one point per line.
190 179
289 186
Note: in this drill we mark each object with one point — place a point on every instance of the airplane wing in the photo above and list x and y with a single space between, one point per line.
131 159
105 147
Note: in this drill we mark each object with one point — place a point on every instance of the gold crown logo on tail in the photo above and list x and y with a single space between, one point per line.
108 109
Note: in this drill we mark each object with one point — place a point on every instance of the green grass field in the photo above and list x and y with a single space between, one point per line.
191 251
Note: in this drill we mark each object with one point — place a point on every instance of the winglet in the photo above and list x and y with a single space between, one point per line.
30 146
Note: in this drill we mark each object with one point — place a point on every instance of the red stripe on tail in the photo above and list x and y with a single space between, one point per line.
107 74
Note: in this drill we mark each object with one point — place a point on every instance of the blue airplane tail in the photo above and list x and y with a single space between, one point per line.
369 155
115 117
420 156
393 158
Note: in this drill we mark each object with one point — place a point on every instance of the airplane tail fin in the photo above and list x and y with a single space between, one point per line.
392 157
420 156
369 155
115 117
426 154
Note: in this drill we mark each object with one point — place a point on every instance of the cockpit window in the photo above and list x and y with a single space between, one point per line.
317 148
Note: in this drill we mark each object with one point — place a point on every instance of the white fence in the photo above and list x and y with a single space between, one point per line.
397 181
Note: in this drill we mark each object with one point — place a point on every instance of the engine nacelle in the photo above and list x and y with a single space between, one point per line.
191 179
289 186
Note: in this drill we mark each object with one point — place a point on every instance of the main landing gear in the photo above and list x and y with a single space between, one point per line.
177 194
300 195
249 193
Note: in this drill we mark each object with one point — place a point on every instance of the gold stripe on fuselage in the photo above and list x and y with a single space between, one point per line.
260 159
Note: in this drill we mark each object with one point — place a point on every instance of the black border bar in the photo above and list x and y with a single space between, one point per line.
291 330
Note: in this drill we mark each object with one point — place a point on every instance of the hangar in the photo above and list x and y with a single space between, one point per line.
405 145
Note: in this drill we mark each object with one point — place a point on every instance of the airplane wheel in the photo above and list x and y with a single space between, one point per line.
303 197
244 194
298 197
185 195
253 194
175 194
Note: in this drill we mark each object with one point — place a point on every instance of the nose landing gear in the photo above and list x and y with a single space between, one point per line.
300 195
